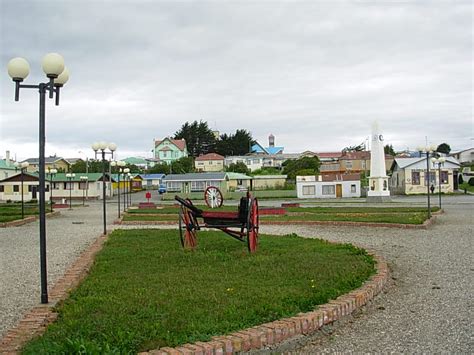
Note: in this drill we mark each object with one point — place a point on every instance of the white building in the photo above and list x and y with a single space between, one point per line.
328 186
464 156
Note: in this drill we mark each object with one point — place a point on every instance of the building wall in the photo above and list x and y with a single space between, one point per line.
265 182
209 165
9 193
60 165
170 155
319 189
407 181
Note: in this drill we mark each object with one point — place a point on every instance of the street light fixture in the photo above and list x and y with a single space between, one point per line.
51 173
55 70
119 164
84 179
100 148
439 162
428 150
70 176
22 167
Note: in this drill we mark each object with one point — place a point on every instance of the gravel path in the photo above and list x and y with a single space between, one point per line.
428 309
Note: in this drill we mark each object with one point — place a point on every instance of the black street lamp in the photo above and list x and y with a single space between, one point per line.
428 151
18 69
119 164
22 167
102 146
130 182
439 162
85 186
70 176
126 171
51 173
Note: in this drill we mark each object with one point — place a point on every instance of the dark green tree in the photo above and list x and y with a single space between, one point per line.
267 171
304 165
93 166
388 149
199 138
443 148
354 148
183 165
238 143
239 167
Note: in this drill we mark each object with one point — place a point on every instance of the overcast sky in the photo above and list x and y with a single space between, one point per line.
315 74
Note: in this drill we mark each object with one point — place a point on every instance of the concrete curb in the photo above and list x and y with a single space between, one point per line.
20 222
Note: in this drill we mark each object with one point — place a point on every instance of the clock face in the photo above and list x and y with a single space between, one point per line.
374 137
381 138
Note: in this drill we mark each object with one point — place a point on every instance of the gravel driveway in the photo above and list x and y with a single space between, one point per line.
427 309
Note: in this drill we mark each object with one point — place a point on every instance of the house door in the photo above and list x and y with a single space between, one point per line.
338 190
455 180
33 192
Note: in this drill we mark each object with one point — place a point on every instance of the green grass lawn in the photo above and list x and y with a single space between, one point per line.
12 212
466 186
403 215
145 292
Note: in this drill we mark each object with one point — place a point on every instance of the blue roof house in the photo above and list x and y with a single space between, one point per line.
270 150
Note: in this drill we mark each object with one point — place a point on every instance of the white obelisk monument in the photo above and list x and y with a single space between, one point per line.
378 180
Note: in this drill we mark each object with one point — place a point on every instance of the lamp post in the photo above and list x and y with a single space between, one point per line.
51 173
129 189
428 151
84 188
126 171
439 162
22 167
118 164
58 75
102 146
70 176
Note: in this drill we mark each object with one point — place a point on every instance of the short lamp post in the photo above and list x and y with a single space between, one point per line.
119 165
58 75
85 186
51 174
428 151
22 167
100 148
438 163
70 176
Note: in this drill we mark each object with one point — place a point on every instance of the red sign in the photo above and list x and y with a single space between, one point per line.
148 196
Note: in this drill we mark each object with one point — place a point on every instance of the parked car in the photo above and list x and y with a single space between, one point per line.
162 189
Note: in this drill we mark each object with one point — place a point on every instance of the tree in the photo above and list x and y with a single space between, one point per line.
238 143
239 167
93 166
443 148
199 138
354 148
293 167
183 165
388 149
266 171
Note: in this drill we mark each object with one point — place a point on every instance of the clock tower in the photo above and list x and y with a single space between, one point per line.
378 180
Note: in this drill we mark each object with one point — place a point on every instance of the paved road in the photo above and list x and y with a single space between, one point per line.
428 309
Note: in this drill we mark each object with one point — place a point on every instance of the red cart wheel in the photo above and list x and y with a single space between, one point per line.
187 229
252 226
213 197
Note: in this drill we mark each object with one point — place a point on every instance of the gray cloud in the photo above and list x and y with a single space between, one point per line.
315 74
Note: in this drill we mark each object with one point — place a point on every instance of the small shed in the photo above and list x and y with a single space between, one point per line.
263 182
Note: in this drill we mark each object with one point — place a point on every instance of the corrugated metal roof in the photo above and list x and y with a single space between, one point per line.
152 176
238 176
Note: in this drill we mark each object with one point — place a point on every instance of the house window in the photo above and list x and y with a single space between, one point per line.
164 154
55 186
198 185
83 185
329 189
16 188
444 177
415 178
353 188
348 164
2 188
239 182
309 190
200 163
432 178
68 185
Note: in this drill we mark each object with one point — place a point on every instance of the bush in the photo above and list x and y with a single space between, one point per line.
461 180
471 181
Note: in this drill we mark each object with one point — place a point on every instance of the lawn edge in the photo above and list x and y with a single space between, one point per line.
20 222
35 321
